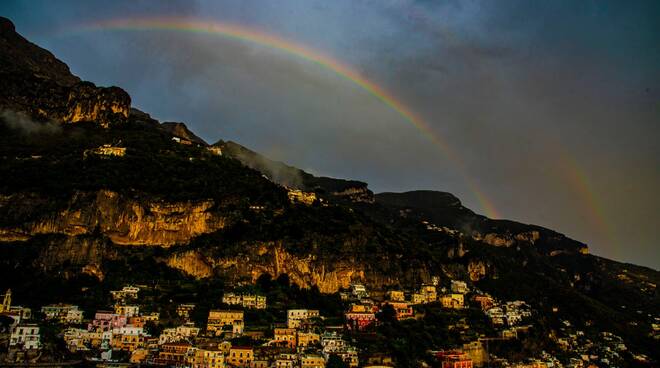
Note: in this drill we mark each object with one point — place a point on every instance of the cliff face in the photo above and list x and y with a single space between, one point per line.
305 271
125 221
36 83
86 102
85 251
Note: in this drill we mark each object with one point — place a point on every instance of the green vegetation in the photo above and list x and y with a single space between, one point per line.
54 164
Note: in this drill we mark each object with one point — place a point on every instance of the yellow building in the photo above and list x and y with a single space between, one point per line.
173 354
261 363
455 301
202 358
308 338
220 318
127 342
312 361
429 293
252 301
359 308
240 356
106 150
6 302
396 295
285 360
232 299
224 347
307 198
139 356
127 310
285 337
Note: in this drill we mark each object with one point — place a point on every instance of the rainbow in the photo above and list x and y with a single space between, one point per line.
241 33
583 187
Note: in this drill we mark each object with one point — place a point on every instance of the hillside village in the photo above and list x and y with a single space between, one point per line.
130 333
130 242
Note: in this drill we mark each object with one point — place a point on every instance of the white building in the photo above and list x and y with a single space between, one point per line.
25 336
332 342
359 291
251 301
295 317
63 313
459 287
127 310
126 292
178 333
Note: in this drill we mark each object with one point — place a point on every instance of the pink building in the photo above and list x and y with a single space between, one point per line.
106 321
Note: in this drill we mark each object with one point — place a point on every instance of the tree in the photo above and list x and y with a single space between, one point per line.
335 362
153 329
265 282
283 281
387 314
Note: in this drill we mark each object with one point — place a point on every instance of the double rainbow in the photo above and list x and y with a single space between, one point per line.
241 33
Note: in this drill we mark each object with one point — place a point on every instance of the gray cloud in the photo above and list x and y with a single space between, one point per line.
24 124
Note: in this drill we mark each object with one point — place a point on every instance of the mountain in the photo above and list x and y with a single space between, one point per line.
180 130
95 195
444 209
35 82
295 178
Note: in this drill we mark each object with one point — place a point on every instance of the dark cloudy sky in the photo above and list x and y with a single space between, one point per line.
553 107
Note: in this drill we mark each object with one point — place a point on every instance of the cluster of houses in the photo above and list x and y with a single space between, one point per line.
296 195
510 313
121 334
24 336
126 333
362 311
604 349
250 301
106 150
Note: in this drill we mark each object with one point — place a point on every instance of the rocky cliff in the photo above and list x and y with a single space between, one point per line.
304 270
125 221
36 83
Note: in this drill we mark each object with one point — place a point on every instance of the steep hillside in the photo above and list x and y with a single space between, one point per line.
445 210
292 177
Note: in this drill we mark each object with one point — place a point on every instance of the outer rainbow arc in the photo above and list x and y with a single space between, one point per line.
245 34
584 188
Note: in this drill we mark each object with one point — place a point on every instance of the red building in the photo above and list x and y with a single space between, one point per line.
359 317
454 359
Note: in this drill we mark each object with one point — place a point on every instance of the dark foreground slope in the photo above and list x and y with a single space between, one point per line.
94 194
